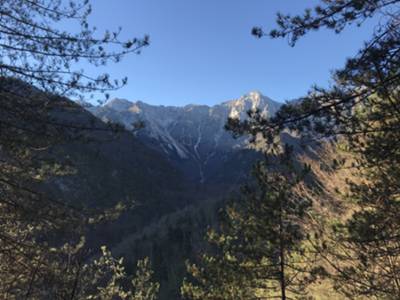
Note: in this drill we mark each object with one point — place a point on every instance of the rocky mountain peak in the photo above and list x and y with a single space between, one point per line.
118 104
193 136
251 101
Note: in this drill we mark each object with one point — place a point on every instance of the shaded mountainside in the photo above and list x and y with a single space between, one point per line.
192 137
92 164
105 164
169 222
109 165
177 171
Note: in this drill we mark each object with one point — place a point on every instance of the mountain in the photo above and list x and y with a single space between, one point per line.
108 166
86 163
178 170
192 137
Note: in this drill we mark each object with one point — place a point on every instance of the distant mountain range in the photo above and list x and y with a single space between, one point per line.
192 137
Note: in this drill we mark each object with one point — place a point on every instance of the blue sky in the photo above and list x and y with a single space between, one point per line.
202 52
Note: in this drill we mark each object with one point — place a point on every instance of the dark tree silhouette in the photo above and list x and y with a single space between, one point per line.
35 48
373 71
37 68
362 110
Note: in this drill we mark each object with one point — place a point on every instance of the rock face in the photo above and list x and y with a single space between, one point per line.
192 137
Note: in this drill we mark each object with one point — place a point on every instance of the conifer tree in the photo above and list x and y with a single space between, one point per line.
38 68
260 250
362 111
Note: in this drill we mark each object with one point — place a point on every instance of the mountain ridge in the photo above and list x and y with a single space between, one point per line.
253 95
191 136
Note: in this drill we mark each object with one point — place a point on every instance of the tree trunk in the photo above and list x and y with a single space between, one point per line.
282 254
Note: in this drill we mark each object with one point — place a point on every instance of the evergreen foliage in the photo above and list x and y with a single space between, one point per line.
261 250
361 110
41 253
36 51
